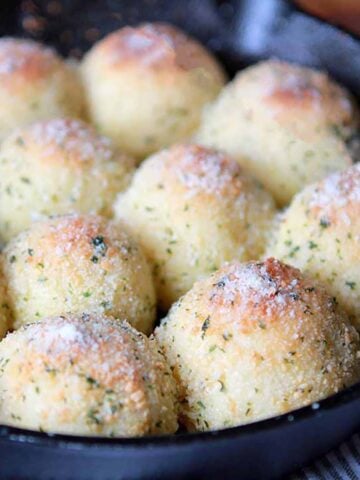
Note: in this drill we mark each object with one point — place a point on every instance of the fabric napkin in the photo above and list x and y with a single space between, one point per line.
342 463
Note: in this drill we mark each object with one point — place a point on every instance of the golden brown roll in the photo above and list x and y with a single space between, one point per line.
85 375
191 209
35 84
256 340
146 86
319 233
78 263
287 125
54 167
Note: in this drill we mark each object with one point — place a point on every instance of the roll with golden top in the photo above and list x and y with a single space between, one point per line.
57 166
35 84
146 86
319 233
191 209
77 264
85 375
256 340
287 125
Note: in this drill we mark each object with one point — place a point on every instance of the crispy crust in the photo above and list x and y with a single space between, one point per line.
78 263
267 340
58 166
147 86
287 125
155 46
90 375
25 62
319 233
66 141
299 90
192 208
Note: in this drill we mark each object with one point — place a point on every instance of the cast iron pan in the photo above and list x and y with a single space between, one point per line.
239 32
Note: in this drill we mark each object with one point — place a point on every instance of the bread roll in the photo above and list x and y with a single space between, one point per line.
35 84
287 125
57 166
78 263
255 340
319 233
146 86
191 209
85 375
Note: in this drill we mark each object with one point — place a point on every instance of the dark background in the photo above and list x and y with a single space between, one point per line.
238 31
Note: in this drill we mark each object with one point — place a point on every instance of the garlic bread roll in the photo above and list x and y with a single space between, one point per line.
191 209
78 263
255 340
287 125
85 375
319 233
35 84
57 166
146 86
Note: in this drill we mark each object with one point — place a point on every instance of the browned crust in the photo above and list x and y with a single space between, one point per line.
156 46
259 294
65 141
196 170
76 233
336 199
305 90
25 62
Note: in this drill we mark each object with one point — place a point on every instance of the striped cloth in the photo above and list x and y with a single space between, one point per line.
340 464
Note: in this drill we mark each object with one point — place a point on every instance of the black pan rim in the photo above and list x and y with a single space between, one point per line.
42 439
